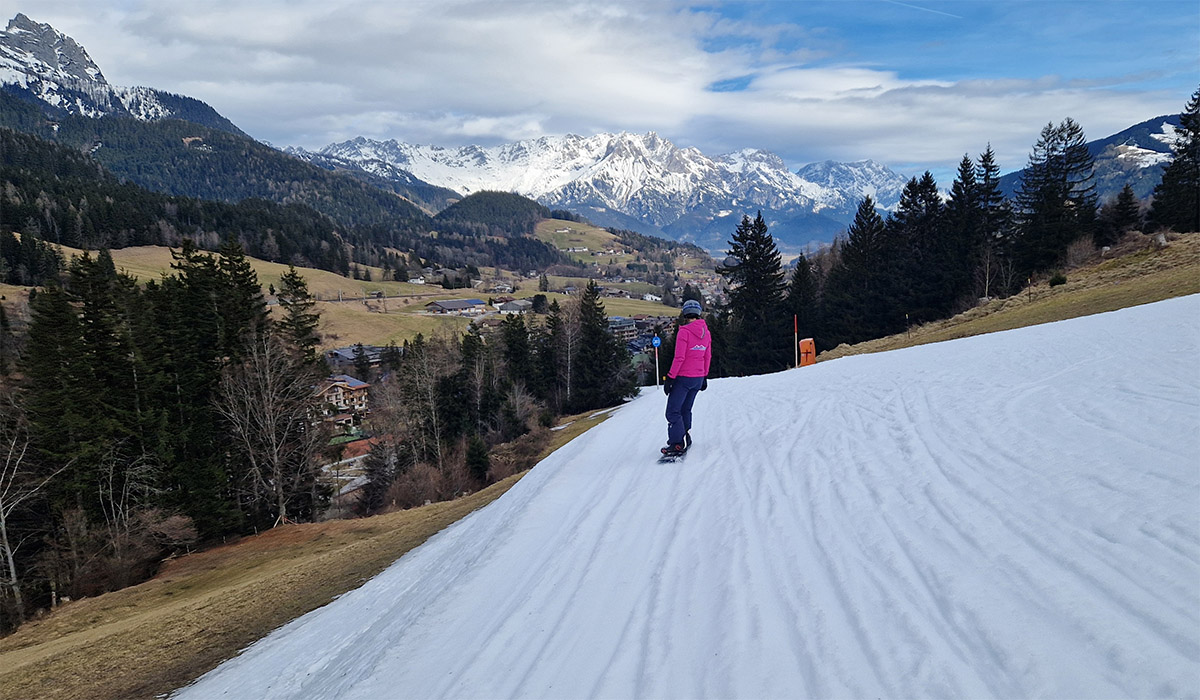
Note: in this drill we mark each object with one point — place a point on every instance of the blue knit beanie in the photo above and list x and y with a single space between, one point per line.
691 307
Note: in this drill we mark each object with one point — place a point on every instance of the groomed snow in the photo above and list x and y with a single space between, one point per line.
1012 515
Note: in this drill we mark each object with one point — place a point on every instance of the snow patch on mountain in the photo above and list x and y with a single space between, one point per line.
45 52
1168 135
641 175
52 68
43 63
1137 157
857 180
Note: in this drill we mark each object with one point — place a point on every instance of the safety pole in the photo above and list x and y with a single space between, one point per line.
657 376
796 337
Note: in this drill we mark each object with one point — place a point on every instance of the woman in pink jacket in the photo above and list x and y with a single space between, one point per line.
687 376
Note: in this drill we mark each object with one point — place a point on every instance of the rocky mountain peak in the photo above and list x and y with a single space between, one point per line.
44 65
47 52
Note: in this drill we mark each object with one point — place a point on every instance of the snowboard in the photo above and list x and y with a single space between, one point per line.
671 459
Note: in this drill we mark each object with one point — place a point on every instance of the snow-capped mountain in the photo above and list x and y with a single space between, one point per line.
40 63
857 180
644 181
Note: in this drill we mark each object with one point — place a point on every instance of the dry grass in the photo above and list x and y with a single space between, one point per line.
201 609
1138 272
578 235
379 322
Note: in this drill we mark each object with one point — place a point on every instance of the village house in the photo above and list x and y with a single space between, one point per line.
343 397
461 307
624 329
342 359
516 306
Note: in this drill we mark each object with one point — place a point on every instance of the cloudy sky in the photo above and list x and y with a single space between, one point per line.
914 84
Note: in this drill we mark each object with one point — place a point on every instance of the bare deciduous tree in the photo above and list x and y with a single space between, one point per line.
18 484
568 347
268 404
425 364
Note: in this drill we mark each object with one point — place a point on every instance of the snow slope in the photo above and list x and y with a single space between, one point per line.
1012 515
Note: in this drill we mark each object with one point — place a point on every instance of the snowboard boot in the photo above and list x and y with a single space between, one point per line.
674 450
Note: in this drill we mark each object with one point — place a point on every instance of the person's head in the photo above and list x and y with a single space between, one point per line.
691 309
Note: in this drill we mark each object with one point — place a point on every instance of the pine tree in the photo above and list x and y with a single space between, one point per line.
390 358
557 356
362 363
924 275
477 378
994 265
381 466
7 343
1177 197
186 310
518 357
298 327
124 435
858 302
603 376
964 219
1056 201
243 308
58 395
478 462
801 300
1118 217
761 334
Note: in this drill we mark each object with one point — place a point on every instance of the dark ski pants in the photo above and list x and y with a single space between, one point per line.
679 407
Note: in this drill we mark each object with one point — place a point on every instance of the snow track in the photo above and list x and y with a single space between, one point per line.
1014 515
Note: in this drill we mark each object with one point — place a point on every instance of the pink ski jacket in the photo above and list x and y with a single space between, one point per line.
693 350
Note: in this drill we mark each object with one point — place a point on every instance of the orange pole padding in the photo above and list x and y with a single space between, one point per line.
808 352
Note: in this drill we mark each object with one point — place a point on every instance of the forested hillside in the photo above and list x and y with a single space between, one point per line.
62 196
493 213
111 183
184 158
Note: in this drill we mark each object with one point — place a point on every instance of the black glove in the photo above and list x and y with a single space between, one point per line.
668 385
704 384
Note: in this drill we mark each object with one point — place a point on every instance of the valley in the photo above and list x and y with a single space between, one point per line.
378 312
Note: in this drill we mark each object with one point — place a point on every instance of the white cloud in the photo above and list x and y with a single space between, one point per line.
311 72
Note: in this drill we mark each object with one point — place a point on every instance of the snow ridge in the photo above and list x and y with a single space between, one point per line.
641 175
1010 515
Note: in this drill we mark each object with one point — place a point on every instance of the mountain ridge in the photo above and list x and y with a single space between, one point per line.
640 182
680 192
